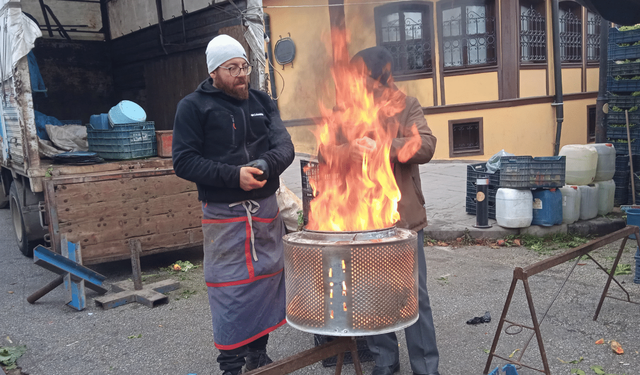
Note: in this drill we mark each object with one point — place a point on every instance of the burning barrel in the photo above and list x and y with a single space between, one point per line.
351 283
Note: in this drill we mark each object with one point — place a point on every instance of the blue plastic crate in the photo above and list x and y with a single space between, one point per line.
617 37
625 69
622 85
623 101
619 118
618 132
622 148
122 142
621 196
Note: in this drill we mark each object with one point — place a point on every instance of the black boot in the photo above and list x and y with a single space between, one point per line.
234 372
257 358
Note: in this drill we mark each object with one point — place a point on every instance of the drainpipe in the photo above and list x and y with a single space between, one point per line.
272 79
557 73
601 126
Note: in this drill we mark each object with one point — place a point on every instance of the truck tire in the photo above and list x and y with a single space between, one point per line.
24 236
4 199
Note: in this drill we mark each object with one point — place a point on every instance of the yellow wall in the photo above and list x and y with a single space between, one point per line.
571 80
593 79
309 80
419 88
303 139
471 88
533 83
361 25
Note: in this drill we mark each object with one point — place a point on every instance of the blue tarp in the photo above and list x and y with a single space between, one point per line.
41 121
37 83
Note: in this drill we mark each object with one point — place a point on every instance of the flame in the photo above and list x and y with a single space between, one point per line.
352 194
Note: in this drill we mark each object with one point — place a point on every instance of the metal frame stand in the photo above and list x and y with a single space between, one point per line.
338 346
523 274
133 291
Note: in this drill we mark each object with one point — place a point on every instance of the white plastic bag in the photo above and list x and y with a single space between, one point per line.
493 164
289 205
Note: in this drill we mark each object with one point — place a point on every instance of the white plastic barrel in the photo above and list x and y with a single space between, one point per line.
606 192
570 204
588 201
514 208
606 167
582 163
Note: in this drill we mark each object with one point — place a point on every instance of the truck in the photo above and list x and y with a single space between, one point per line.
90 55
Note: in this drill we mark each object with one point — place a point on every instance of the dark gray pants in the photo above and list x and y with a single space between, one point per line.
421 336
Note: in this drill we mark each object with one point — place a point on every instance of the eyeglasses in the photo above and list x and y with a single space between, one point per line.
235 70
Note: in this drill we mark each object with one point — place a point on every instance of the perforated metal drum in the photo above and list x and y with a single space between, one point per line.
351 283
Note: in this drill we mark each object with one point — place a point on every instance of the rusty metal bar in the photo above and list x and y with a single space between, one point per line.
308 357
580 250
494 345
614 279
518 363
536 325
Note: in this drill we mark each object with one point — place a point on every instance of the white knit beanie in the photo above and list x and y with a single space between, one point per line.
222 49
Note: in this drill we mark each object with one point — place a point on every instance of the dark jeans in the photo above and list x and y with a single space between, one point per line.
233 359
421 336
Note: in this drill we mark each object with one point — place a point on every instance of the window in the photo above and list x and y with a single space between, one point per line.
405 29
468 33
465 137
593 37
591 123
533 31
570 32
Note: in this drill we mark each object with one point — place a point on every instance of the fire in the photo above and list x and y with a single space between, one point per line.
352 194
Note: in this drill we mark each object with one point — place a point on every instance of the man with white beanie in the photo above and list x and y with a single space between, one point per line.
229 140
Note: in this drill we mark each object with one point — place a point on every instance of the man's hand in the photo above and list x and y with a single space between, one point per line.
248 181
360 147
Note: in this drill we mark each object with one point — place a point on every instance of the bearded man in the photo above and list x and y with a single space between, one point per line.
229 140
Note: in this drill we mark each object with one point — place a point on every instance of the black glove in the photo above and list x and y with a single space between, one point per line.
261 165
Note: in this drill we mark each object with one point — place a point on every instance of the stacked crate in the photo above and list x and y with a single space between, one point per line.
623 93
516 172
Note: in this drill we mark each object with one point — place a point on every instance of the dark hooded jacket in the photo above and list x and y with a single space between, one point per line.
411 206
214 134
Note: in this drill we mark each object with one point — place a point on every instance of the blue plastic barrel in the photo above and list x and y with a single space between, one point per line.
547 207
633 218
126 112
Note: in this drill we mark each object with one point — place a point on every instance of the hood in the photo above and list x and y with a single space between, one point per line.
206 87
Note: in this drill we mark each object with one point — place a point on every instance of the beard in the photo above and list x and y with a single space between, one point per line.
238 89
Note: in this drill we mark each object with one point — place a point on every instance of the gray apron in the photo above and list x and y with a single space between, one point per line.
243 269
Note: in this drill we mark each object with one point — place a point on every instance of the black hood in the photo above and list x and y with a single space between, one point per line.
378 60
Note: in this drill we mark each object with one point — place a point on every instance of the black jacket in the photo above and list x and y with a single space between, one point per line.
214 133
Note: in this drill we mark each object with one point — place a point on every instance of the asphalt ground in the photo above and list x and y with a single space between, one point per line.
176 338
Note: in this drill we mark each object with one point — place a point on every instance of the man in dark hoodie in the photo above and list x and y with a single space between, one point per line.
421 337
229 140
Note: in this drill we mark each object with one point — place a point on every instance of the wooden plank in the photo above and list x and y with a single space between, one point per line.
122 189
119 249
121 166
131 208
96 232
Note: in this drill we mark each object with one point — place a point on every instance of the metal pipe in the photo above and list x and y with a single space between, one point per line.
557 74
601 126
161 24
272 79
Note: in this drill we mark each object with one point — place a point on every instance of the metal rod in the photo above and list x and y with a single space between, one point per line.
272 78
633 185
611 273
136 248
45 289
601 126
557 70
536 325
494 345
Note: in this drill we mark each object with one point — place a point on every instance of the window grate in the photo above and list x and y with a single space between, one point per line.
593 37
469 42
591 123
466 137
533 35
570 36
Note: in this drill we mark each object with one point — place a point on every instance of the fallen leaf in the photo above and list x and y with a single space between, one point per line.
440 243
500 242
517 242
10 292
429 244
577 371
176 267
600 342
513 353
458 239
616 347
598 370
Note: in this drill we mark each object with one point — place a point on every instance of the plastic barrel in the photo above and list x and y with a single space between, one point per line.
633 218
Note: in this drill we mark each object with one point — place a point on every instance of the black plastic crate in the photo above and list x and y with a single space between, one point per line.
624 69
623 85
616 36
364 354
622 148
621 196
622 163
475 171
618 52
519 172
307 190
122 142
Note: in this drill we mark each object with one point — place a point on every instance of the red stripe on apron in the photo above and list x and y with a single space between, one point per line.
240 282
247 250
250 339
222 221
